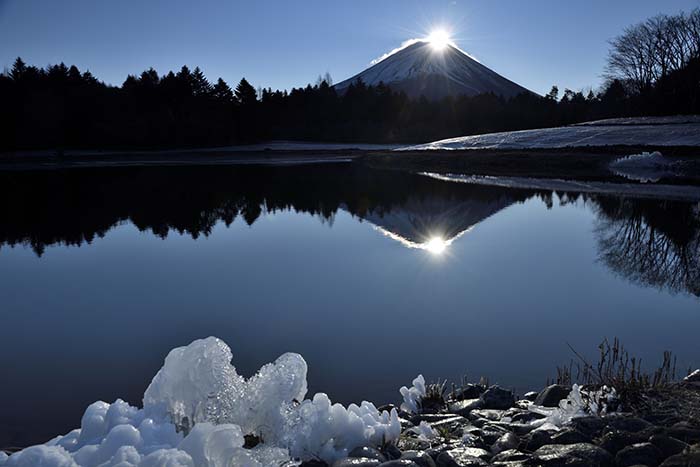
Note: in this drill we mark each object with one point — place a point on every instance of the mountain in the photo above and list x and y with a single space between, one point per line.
420 69
434 221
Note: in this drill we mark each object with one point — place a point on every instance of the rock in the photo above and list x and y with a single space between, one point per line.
535 440
517 428
469 391
589 426
491 436
465 406
458 458
642 453
488 414
371 453
667 445
629 424
391 452
497 398
450 424
692 379
472 452
505 442
356 462
685 433
420 458
551 395
688 458
433 418
399 463
615 441
313 463
530 396
581 454
511 455
569 436
526 417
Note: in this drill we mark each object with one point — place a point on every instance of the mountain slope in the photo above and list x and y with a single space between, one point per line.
420 70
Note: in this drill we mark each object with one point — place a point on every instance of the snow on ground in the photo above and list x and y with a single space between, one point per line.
637 190
646 167
665 120
197 410
653 131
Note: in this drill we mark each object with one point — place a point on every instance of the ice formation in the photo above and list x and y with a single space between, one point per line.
424 431
412 397
644 167
197 410
579 403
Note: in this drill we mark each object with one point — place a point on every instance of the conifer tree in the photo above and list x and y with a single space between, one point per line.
245 93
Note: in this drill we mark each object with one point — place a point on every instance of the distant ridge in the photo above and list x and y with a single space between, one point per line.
420 70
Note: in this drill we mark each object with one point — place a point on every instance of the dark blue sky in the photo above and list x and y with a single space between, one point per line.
282 44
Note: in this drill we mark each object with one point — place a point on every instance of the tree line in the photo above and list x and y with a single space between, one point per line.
653 68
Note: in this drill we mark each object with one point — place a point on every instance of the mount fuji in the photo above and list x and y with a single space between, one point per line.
421 69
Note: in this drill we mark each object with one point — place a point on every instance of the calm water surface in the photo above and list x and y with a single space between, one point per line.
372 276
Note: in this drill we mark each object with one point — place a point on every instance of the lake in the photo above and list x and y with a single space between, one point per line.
373 276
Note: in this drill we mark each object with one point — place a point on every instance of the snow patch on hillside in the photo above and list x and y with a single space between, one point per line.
599 134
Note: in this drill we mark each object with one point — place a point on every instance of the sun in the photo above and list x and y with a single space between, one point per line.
438 39
436 245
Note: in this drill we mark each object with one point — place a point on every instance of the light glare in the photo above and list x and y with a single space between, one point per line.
436 245
439 39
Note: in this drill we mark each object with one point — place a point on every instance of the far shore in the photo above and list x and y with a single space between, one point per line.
580 163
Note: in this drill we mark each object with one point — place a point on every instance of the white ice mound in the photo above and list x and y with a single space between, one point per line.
413 396
197 410
198 383
644 167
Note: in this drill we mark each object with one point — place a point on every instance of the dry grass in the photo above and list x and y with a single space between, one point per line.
617 368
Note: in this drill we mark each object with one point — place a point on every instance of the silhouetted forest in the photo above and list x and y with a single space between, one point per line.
653 242
653 68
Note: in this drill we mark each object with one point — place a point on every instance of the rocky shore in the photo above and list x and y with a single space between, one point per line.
199 412
489 426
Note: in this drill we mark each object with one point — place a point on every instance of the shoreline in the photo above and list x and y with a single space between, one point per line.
564 169
478 425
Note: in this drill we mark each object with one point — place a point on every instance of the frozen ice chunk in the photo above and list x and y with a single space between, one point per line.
261 456
125 456
269 396
198 383
579 403
92 425
167 458
41 456
212 445
319 429
424 431
195 383
119 436
198 408
412 397
158 435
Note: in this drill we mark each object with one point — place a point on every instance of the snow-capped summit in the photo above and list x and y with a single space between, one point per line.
422 69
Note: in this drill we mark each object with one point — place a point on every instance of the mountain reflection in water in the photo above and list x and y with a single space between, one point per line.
650 242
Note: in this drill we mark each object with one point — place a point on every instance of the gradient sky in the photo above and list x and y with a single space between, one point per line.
282 44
